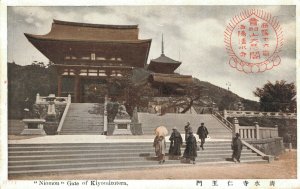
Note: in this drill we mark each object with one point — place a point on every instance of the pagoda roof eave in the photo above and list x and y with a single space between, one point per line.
156 62
158 66
45 38
163 59
171 78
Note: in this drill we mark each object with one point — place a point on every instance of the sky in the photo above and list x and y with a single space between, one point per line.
192 34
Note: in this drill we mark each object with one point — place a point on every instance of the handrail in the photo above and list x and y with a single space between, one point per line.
62 120
238 113
264 156
223 120
253 148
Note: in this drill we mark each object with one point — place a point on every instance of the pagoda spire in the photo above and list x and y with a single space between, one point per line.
162 43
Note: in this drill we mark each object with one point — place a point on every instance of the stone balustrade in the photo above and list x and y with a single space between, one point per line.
223 120
254 132
57 100
233 113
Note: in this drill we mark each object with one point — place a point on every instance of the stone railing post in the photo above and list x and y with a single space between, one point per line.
236 128
225 114
105 121
257 130
37 100
276 131
69 99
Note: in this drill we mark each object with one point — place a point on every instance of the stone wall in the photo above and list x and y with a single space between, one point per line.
271 146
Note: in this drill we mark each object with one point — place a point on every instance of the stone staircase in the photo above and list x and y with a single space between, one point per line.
92 157
215 128
84 119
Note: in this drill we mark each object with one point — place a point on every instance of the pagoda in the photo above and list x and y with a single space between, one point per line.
91 55
163 76
163 64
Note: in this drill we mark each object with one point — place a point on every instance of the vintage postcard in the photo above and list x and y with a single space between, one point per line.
149 95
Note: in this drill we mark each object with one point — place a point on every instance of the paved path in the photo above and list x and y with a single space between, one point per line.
89 139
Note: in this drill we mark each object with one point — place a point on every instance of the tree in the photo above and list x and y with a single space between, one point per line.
193 93
227 102
279 96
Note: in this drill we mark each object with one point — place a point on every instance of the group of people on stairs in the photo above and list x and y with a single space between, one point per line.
191 148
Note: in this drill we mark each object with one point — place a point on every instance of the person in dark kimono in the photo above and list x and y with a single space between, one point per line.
202 132
237 147
176 142
190 152
160 148
187 129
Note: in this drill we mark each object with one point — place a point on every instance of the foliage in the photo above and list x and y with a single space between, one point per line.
139 92
226 102
276 97
112 110
225 99
25 82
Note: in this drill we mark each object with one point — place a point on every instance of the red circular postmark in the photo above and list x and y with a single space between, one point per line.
253 40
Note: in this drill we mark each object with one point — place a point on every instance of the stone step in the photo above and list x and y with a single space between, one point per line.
84 119
69 157
133 165
83 128
74 165
79 118
108 147
126 167
98 132
81 133
134 161
110 158
130 152
41 159
208 143
47 162
51 148
151 121
72 160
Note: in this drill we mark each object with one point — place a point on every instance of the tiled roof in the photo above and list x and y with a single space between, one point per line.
72 31
165 59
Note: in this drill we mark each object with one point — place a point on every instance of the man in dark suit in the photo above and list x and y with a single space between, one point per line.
202 132
237 147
